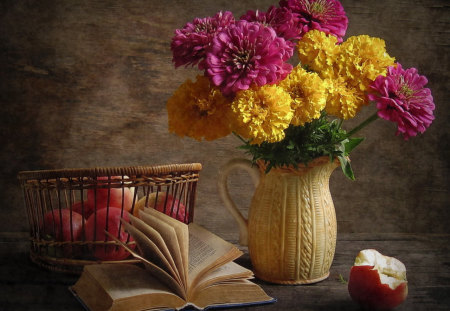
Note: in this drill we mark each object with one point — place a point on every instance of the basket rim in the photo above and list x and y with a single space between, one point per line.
110 171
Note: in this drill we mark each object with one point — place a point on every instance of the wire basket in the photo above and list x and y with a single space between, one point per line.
72 212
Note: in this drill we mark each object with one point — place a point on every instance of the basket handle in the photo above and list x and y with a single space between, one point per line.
222 184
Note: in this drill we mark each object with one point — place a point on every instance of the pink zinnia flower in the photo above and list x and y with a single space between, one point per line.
324 15
282 20
247 53
190 43
402 98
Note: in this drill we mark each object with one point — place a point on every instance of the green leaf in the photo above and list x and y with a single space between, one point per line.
291 145
302 144
351 143
346 167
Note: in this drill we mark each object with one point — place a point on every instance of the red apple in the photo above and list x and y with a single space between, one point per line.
107 219
377 282
63 225
98 198
163 202
83 208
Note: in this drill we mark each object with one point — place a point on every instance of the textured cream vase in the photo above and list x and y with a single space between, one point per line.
291 227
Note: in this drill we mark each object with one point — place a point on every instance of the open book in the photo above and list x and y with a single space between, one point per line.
183 265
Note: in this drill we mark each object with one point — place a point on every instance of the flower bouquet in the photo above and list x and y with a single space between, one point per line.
283 81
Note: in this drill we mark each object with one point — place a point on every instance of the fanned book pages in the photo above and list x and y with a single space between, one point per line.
182 265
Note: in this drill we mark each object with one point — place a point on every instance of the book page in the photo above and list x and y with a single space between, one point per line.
158 241
242 292
91 293
229 272
156 271
148 215
128 287
150 250
207 252
125 280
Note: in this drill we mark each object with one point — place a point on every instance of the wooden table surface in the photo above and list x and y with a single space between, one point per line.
25 286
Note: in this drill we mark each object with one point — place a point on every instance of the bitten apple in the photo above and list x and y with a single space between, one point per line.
98 198
377 282
163 202
107 219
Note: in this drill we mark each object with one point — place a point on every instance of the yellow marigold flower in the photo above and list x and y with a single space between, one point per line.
362 59
307 91
262 113
319 51
343 100
199 110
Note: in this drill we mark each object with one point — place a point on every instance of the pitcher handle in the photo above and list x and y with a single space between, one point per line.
222 184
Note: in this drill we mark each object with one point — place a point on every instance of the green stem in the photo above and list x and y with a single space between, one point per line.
240 138
363 124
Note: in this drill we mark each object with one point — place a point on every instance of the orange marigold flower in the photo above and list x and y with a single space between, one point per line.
343 100
307 91
318 51
262 114
362 59
199 110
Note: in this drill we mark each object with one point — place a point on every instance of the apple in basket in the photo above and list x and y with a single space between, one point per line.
83 208
377 282
99 197
63 225
108 219
163 202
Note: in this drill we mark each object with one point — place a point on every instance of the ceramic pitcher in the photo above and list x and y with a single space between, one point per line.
291 225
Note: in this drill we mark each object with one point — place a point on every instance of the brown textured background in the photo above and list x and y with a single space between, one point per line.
85 83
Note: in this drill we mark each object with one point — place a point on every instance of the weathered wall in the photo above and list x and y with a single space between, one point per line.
85 83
